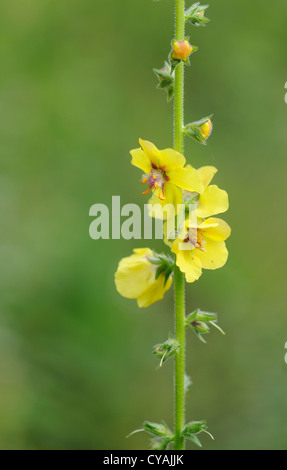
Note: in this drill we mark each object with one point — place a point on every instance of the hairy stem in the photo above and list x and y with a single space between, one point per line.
180 358
179 280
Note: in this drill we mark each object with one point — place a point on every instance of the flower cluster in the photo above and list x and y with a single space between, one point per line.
198 244
187 203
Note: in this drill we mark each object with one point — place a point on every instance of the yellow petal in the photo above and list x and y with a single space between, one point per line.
186 178
215 229
170 159
135 278
187 261
160 209
151 151
189 264
155 292
214 257
134 274
206 174
140 160
142 252
212 201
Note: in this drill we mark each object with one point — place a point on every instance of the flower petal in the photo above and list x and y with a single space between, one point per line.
140 160
186 178
216 229
212 201
206 174
215 256
187 261
134 274
161 209
189 264
151 151
170 159
155 292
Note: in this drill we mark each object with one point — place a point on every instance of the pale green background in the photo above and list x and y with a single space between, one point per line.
76 91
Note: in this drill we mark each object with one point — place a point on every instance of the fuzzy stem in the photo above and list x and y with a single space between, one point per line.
180 358
179 80
179 280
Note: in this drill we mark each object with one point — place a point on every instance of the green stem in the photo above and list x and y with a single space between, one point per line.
179 280
179 80
180 358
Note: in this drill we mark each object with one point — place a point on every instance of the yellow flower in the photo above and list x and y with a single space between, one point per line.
212 199
200 246
201 242
136 278
165 172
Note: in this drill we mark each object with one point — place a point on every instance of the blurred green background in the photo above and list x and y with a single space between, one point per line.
76 92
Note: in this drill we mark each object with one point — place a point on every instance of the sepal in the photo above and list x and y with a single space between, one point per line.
181 51
163 436
165 351
200 321
194 428
199 130
166 79
165 265
159 430
195 15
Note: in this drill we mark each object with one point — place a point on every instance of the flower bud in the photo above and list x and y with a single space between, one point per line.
166 350
195 15
181 50
200 321
191 430
166 79
199 130
206 129
160 430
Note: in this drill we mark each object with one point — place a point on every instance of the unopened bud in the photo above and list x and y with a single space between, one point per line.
195 15
166 79
200 321
181 50
206 129
166 350
199 130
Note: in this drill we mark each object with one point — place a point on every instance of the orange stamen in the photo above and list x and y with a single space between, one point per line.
154 177
146 192
161 197
156 185
144 181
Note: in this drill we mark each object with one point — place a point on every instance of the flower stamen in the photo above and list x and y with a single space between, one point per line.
156 180
146 192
